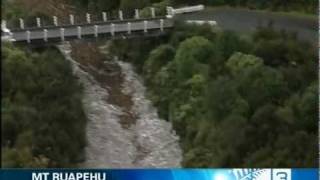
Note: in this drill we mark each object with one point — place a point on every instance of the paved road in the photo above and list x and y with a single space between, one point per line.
72 31
242 20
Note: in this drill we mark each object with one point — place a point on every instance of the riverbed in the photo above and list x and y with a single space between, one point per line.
123 129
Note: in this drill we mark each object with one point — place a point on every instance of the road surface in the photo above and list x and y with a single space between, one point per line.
243 21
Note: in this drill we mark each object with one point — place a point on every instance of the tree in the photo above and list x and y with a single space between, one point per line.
229 42
223 99
239 62
157 59
257 83
41 99
190 55
129 4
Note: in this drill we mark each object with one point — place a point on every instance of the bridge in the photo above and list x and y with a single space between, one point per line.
134 26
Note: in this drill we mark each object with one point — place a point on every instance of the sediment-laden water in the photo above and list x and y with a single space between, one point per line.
126 133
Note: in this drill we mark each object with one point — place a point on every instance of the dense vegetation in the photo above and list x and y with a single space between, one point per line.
42 120
234 101
308 6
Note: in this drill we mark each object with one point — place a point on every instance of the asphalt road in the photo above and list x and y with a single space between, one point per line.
37 34
243 21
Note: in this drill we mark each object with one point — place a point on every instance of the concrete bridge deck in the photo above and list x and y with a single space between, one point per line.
93 30
104 28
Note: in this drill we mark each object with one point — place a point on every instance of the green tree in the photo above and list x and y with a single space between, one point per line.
157 59
190 55
43 123
138 4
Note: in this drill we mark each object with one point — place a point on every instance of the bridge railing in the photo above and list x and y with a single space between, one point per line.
48 27
46 22
60 34
71 20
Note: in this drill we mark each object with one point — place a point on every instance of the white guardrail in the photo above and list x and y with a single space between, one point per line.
201 22
6 34
190 9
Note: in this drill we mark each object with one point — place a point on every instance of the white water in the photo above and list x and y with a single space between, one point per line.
112 146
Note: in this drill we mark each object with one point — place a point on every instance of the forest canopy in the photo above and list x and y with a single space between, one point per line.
42 120
235 101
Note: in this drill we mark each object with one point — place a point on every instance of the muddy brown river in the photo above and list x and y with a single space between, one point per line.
123 129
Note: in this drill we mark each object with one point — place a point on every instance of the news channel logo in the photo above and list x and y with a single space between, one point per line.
236 174
260 174
253 174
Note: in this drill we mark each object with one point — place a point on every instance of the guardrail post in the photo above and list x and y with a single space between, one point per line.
120 15
136 14
3 24
104 16
88 18
79 32
161 24
45 35
129 28
28 33
55 20
62 34
170 12
145 26
153 12
38 22
112 29
21 23
71 19
96 30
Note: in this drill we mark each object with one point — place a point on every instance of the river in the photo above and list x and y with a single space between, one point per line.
123 129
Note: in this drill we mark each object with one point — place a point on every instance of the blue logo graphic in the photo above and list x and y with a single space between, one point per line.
159 174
